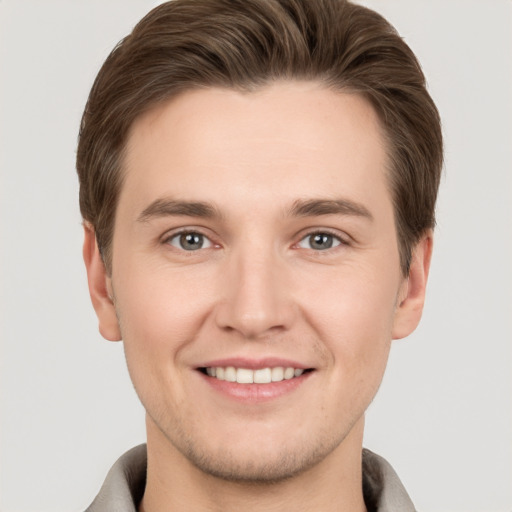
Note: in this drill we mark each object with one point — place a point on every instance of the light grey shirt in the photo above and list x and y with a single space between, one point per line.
124 486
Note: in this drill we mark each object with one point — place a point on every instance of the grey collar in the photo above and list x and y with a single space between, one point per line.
124 486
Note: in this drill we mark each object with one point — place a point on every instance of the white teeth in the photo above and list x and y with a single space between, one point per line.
263 376
247 376
277 374
244 376
230 374
289 373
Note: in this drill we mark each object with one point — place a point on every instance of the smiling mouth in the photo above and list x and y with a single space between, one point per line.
248 376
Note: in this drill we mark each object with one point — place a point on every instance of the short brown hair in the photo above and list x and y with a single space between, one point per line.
246 44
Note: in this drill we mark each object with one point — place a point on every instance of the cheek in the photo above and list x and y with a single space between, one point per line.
160 312
354 317
153 294
357 295
159 316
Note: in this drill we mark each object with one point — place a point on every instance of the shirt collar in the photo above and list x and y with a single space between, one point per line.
124 486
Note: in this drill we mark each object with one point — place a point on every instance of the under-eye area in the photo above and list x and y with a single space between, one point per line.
249 376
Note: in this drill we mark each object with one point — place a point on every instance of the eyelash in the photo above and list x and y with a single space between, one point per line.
187 232
325 232
336 240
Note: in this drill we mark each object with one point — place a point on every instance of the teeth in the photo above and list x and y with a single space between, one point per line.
260 376
244 376
230 374
289 373
263 376
277 374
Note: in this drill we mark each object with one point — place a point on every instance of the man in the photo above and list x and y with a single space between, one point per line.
257 181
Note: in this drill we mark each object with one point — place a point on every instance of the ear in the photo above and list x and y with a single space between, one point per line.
100 287
412 292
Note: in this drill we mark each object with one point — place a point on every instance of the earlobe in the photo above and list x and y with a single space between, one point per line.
100 287
412 295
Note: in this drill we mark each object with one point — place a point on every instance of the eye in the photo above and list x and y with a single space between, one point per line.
189 241
320 241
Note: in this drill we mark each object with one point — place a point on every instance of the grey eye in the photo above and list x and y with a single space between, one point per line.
319 241
190 241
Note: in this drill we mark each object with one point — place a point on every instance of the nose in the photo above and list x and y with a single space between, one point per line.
255 295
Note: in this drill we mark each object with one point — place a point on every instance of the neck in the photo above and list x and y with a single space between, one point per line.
174 483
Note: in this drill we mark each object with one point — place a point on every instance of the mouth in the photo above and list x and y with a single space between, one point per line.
266 375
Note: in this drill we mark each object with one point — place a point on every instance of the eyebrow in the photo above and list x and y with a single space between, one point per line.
171 207
317 207
300 208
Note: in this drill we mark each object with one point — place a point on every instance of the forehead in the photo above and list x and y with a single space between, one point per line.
285 140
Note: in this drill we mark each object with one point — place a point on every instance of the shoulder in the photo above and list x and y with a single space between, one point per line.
124 485
383 490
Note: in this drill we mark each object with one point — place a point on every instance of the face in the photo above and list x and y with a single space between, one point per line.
256 276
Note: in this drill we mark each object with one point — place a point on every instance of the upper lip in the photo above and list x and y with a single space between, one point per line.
254 364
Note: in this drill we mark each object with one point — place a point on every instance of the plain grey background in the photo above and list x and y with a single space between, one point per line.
443 416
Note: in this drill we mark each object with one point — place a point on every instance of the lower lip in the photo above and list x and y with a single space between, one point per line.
256 393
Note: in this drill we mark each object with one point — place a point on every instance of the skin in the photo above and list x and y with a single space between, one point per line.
257 288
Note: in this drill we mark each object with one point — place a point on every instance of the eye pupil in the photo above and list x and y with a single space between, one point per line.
321 241
191 241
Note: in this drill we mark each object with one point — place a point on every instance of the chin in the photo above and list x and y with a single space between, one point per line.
258 464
